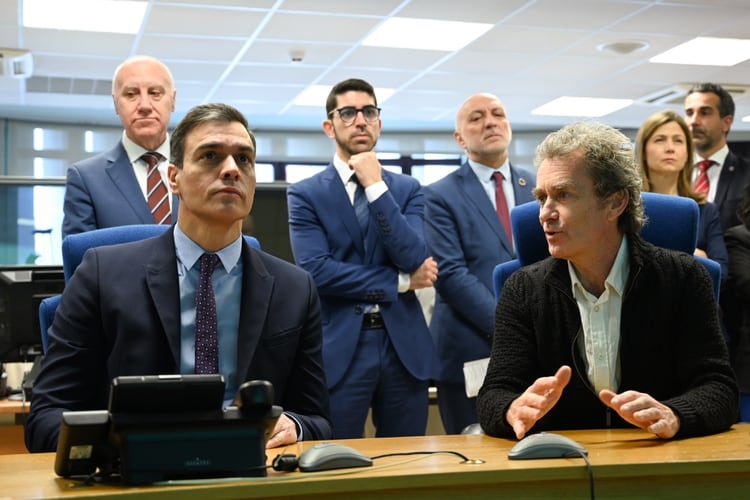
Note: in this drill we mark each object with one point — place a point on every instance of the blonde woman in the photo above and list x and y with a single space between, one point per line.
664 152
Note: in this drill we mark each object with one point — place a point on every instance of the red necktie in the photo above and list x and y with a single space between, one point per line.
701 183
206 325
158 195
501 204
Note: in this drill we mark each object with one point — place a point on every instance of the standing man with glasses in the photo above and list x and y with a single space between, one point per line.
358 229
128 184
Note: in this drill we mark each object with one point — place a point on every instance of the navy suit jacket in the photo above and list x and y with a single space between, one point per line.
467 239
327 241
735 175
102 191
120 315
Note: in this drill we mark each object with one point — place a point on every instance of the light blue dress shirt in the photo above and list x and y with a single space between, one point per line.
227 285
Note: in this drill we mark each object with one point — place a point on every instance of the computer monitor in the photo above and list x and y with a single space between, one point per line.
22 288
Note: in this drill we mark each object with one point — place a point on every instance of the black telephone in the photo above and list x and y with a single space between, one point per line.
169 427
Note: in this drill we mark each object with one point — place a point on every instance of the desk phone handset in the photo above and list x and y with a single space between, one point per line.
169 426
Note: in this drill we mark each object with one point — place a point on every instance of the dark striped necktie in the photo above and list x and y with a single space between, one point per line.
157 193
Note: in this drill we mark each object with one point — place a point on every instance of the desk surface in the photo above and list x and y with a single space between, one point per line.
11 406
626 464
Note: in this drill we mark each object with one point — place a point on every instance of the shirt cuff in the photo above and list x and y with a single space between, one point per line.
375 191
300 433
404 280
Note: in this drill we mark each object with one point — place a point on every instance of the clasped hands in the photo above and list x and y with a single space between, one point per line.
637 408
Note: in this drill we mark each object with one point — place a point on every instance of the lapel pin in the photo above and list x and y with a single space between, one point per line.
521 182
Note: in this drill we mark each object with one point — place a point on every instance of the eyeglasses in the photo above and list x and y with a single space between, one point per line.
349 113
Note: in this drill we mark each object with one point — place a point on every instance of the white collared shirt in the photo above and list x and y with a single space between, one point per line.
600 321
484 174
140 168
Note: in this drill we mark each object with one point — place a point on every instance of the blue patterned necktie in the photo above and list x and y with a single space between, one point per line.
361 208
206 325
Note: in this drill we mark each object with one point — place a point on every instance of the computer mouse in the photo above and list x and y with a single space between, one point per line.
546 445
326 456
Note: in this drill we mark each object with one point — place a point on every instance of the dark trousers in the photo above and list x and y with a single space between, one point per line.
456 410
377 379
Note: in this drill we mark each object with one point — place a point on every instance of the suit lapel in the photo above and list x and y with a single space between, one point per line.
726 178
120 170
521 186
338 203
476 195
257 285
162 282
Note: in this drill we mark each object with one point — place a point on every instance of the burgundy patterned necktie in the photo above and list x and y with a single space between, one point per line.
206 324
502 204
158 195
701 182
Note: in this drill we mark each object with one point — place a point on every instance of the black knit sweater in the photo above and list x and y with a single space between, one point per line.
671 345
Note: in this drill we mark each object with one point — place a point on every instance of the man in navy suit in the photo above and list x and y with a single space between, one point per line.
110 189
466 236
376 345
709 111
130 309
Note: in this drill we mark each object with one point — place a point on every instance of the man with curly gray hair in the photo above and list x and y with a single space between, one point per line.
610 331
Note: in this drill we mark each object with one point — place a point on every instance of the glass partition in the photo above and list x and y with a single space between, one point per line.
30 230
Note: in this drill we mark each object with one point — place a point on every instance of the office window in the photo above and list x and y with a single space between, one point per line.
31 229
427 174
295 172
264 172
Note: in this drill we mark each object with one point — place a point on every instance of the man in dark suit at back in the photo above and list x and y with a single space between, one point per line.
133 309
128 184
468 239
721 175
709 111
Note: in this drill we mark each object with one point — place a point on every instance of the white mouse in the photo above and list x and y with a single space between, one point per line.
326 456
546 445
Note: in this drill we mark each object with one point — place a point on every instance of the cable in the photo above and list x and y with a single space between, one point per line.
465 459
590 471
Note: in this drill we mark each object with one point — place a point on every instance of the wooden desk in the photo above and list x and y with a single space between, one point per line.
626 464
13 412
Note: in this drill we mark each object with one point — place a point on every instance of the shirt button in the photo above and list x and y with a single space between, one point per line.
596 308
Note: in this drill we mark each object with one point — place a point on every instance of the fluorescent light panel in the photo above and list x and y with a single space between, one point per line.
590 107
316 95
425 34
104 16
706 51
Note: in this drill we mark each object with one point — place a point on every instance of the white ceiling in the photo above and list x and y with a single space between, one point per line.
238 51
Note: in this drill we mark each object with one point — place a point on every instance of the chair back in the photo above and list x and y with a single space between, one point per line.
75 245
672 223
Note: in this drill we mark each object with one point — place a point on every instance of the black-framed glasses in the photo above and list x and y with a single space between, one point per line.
349 113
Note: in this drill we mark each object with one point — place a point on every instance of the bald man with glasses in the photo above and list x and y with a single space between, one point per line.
358 229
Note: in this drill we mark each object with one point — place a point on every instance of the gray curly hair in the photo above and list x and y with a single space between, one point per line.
608 159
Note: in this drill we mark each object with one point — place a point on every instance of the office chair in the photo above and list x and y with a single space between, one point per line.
661 230
75 245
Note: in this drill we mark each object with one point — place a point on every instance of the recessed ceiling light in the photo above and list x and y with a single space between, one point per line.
316 95
425 34
705 51
104 16
590 107
624 46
